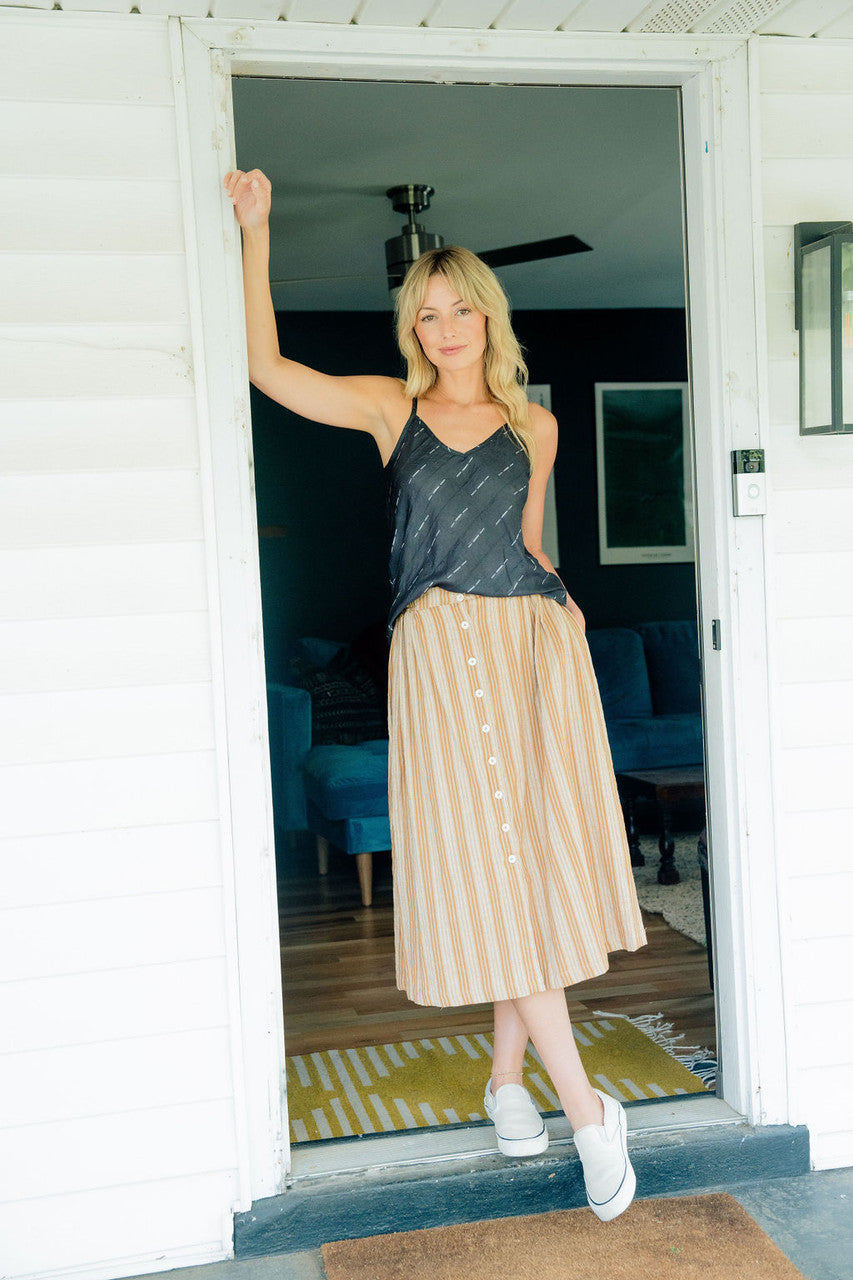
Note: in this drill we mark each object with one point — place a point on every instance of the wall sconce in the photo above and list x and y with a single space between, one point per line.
823 313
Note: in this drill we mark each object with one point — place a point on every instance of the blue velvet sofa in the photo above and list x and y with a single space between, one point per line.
649 680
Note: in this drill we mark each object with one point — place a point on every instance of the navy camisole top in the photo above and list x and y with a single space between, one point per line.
455 519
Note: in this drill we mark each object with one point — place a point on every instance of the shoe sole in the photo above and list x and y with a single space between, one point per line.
524 1146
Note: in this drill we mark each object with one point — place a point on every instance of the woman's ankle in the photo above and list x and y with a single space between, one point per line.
505 1077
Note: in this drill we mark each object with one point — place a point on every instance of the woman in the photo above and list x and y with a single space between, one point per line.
511 867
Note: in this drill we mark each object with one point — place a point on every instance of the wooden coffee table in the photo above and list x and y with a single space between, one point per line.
666 787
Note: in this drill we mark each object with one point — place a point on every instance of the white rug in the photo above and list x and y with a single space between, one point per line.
679 904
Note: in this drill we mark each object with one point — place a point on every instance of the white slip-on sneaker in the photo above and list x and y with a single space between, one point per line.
519 1127
607 1171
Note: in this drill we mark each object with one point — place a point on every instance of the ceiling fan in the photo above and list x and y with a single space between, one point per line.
401 251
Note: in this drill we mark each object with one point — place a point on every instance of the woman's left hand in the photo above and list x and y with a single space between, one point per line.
577 615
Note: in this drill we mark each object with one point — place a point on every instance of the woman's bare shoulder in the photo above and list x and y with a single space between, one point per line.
543 422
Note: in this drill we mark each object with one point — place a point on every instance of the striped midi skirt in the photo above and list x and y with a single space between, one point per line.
511 866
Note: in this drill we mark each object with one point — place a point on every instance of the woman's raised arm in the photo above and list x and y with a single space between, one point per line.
368 403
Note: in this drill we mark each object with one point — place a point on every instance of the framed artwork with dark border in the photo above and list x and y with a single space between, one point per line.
644 468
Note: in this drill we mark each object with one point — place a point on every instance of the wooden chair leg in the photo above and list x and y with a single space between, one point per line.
322 855
364 862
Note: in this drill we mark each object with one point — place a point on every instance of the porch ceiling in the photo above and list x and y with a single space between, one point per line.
822 18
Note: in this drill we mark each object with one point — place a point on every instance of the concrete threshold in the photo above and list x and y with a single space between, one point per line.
355 1187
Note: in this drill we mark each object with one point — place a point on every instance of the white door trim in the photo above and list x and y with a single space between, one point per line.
720 249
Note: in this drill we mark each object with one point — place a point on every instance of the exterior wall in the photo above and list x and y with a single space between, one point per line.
121 1122
806 174
118 1126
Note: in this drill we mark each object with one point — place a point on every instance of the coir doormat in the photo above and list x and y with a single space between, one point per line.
684 1238
416 1084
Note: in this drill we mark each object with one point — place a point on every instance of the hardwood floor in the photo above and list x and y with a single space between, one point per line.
338 969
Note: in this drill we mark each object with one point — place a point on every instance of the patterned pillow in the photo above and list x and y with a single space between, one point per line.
346 704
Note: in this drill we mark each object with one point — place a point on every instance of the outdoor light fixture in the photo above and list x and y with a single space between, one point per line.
823 313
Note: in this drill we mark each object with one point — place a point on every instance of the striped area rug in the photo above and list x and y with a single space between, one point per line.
415 1084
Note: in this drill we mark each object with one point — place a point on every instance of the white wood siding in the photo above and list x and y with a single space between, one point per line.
117 1105
806 142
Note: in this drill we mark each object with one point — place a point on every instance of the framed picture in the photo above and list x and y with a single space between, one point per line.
645 472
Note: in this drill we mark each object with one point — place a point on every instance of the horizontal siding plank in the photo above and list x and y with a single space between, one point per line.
825 1095
88 865
783 395
58 370
145 1224
778 245
822 966
90 215
817 714
85 1008
814 777
815 649
813 585
115 933
109 1151
142 506
820 908
783 339
815 843
806 189
89 582
98 435
807 462
60 61
815 520
824 1034
43 728
813 66
93 288
104 653
99 794
85 139
816 124
111 1077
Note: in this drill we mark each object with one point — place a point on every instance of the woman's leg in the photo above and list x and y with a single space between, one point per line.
545 1018
510 1045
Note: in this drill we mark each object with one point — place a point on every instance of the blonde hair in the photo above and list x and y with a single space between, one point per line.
504 368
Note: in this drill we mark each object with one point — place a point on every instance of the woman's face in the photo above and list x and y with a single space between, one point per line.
451 332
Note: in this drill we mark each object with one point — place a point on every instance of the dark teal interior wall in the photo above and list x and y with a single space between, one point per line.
320 492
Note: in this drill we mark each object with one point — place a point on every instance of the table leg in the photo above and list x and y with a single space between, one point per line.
637 859
667 871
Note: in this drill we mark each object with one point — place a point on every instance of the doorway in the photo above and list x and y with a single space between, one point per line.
208 73
602 326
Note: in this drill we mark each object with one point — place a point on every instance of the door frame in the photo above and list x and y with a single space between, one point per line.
725 321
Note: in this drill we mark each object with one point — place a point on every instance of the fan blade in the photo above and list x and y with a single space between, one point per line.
553 248
371 275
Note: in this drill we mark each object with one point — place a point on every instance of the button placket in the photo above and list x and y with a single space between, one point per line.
495 779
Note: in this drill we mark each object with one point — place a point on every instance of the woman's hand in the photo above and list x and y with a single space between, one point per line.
251 195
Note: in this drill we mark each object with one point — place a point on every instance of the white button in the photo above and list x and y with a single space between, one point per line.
478 693
493 759
472 662
486 728
512 858
499 795
460 597
504 826
464 625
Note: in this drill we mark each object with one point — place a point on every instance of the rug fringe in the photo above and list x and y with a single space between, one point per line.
701 1062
